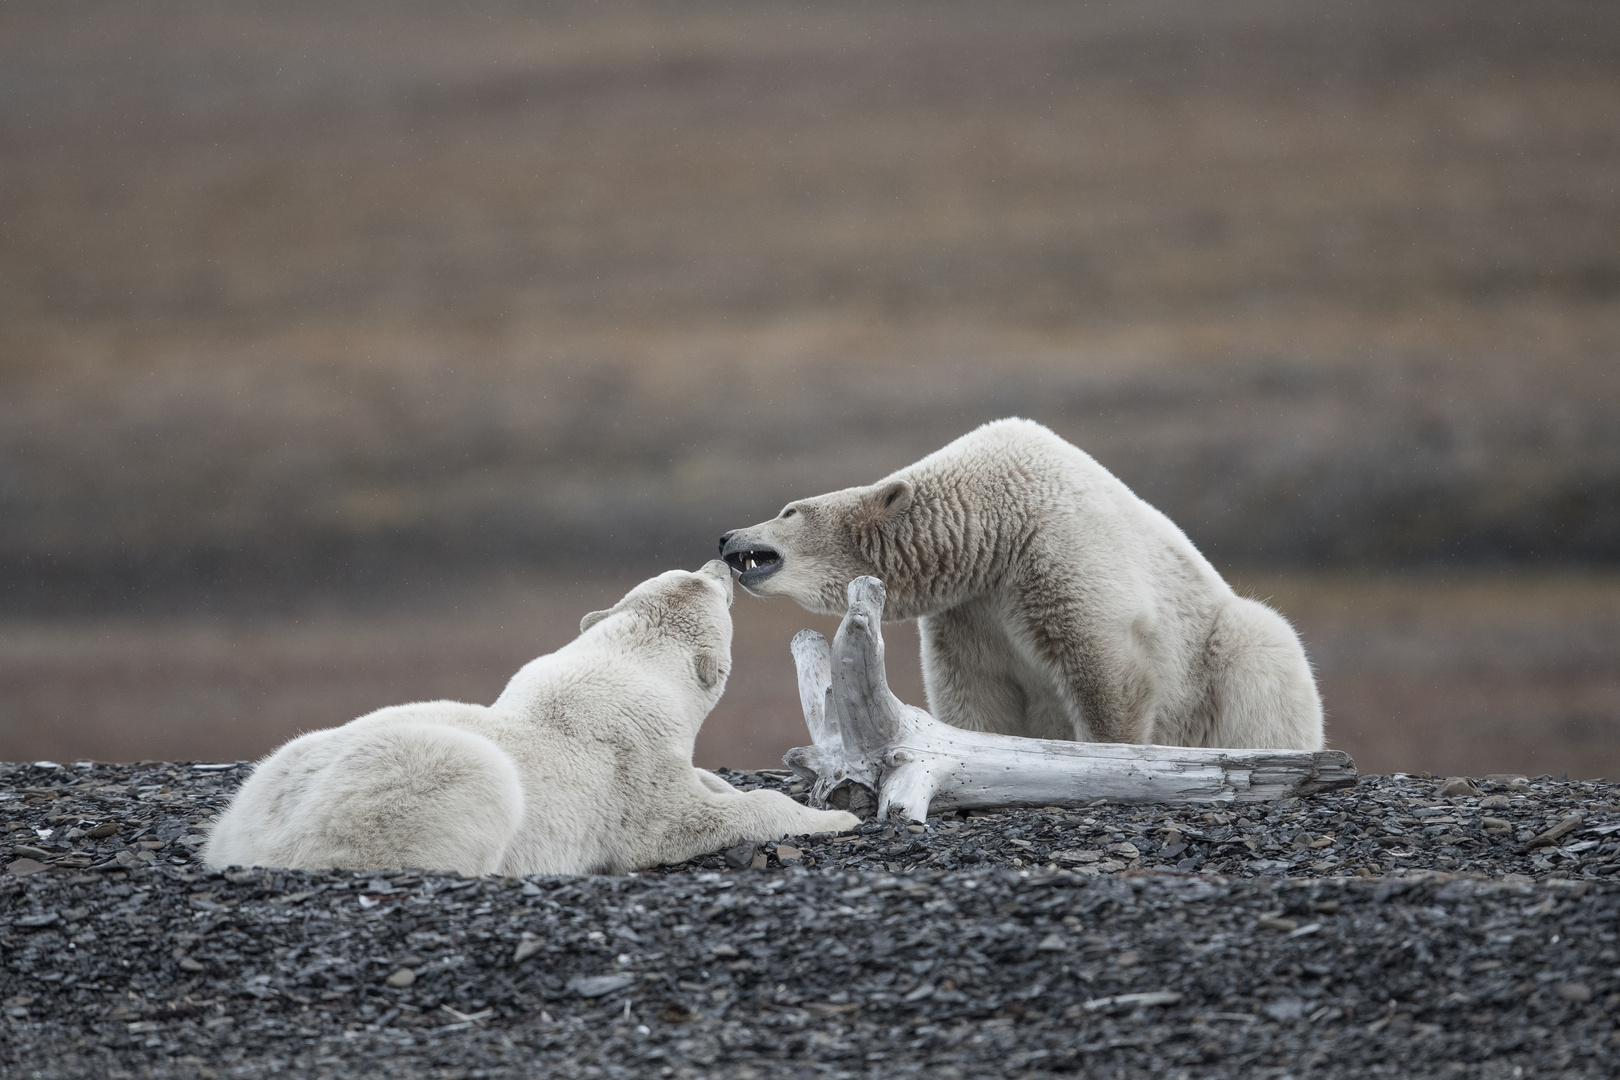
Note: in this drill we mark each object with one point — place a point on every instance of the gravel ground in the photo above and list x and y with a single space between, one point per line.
1384 930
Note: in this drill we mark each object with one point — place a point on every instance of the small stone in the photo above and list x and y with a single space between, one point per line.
739 856
1053 943
1121 1001
1495 802
600 985
104 830
403 978
916 830
188 964
527 946
759 862
1579 993
1077 855
20 867
724 952
1277 922
1563 828
787 853
1128 958
1127 849
1285 1009
1496 825
1457 787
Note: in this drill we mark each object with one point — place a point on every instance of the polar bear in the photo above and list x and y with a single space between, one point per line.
582 765
1052 602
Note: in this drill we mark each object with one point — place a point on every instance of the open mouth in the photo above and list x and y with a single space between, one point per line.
755 563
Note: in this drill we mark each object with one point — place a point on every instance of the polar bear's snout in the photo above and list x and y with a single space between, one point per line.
753 560
721 573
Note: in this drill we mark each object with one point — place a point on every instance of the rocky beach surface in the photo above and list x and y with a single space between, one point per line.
1408 926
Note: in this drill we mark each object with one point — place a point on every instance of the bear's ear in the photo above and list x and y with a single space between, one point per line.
591 619
708 669
890 500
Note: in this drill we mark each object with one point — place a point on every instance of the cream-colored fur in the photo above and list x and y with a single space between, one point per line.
582 765
1052 602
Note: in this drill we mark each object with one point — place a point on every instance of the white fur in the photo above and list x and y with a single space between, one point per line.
582 765
1052 601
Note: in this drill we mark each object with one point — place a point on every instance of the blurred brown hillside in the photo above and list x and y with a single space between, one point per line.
351 350
305 292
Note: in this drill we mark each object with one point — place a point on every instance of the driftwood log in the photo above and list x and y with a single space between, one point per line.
875 755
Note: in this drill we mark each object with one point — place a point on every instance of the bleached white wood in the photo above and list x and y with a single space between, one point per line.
870 747
825 761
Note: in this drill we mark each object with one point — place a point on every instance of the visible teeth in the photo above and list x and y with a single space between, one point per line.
748 562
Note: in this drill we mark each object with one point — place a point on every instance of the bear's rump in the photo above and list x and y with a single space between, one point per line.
407 794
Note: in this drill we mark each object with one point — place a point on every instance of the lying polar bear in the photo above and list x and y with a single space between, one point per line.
1052 602
582 765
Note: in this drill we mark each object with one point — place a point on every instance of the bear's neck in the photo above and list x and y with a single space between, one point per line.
941 554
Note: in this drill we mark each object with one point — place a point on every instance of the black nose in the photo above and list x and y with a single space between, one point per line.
723 540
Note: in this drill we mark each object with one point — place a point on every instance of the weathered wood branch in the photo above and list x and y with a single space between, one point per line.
872 751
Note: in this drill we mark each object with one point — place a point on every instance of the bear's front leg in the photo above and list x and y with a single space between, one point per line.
982 675
742 816
1098 670
1108 691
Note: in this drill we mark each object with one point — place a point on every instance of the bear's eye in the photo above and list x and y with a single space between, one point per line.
789 512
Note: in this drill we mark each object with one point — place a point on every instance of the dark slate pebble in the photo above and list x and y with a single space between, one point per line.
1380 931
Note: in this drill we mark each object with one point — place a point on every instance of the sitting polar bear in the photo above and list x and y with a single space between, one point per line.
582 765
1052 602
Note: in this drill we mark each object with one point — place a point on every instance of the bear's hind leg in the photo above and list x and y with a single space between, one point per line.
1262 692
414 794
259 827
714 783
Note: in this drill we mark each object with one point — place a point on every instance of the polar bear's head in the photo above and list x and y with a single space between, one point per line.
679 620
814 548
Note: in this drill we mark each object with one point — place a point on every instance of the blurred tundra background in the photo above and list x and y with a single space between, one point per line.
350 351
